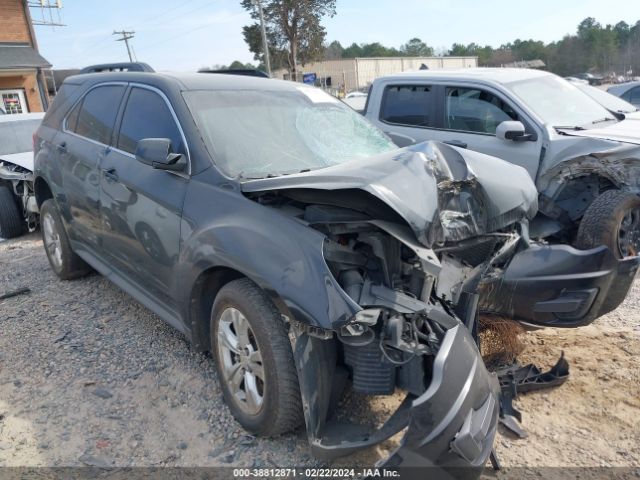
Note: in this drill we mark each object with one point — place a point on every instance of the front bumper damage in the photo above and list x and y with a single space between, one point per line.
453 424
449 428
558 285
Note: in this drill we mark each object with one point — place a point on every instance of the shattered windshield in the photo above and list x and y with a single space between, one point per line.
260 133
559 103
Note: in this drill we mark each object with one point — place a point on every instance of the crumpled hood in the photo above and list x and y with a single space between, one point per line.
442 192
627 131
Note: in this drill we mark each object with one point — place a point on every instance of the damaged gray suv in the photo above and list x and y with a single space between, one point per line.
287 235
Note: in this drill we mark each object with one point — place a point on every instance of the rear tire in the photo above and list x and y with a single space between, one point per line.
612 219
65 263
11 223
254 360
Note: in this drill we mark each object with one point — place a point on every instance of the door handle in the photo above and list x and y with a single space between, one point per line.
62 147
456 143
110 174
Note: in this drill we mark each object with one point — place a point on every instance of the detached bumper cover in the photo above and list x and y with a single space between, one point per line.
452 425
559 285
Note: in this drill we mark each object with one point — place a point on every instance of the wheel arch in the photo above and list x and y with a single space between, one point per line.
569 196
203 293
42 190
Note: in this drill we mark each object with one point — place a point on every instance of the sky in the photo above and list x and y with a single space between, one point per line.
184 35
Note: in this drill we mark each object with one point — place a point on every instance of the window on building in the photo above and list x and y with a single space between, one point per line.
407 105
98 113
147 116
475 110
13 101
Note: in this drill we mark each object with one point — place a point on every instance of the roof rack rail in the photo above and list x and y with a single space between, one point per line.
118 67
249 72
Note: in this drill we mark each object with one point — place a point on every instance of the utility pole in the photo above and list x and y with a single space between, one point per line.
265 45
126 36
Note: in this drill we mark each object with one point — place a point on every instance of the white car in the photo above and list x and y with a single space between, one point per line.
18 209
356 100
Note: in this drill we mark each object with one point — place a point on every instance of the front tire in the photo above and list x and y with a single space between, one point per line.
612 219
254 360
65 263
11 223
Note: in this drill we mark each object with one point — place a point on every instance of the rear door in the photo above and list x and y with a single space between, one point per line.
79 147
141 207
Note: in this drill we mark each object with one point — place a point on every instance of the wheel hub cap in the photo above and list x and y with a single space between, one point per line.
52 242
241 361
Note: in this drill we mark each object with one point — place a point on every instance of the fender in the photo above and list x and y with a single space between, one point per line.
288 265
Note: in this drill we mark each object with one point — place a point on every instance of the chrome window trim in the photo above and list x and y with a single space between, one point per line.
159 92
64 121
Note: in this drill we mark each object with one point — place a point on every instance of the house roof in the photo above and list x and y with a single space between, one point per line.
20 55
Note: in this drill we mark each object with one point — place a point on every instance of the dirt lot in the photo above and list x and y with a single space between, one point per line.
90 377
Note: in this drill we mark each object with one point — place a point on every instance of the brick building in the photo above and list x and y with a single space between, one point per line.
22 82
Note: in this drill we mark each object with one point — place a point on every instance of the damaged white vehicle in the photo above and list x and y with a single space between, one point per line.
18 209
584 161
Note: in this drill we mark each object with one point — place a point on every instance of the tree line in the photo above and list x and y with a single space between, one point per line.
296 36
593 48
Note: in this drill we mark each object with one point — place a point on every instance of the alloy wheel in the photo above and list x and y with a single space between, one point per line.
241 359
52 242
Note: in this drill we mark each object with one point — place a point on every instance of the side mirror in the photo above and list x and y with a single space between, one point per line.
513 130
156 152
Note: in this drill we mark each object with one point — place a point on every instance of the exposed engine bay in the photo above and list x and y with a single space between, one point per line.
412 300
417 242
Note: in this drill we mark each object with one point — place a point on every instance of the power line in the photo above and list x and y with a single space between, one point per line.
179 15
126 36
167 11
175 36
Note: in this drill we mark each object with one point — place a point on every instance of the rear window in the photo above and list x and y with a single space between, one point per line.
98 113
17 137
407 105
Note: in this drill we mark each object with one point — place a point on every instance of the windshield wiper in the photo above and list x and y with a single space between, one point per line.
572 127
602 120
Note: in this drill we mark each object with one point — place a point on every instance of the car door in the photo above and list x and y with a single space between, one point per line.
469 118
83 141
140 206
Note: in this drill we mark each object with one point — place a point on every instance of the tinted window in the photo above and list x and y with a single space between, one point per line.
635 96
98 113
72 119
17 137
406 105
474 110
147 116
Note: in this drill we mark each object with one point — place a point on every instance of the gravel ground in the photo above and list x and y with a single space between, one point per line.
90 377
